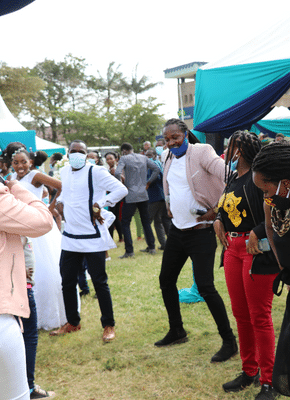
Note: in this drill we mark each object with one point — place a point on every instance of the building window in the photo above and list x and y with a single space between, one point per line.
185 99
190 98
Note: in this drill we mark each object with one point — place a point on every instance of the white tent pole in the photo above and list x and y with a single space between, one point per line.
180 99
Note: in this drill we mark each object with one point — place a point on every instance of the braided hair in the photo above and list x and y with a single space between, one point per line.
273 162
183 128
249 146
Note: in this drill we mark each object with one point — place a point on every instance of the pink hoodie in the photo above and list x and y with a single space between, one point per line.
21 213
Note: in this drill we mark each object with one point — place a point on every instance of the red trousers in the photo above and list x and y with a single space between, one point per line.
251 298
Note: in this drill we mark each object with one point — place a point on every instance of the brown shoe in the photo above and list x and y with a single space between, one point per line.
109 334
67 328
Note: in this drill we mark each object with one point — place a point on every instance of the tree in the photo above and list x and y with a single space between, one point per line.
111 85
65 90
137 124
19 88
138 87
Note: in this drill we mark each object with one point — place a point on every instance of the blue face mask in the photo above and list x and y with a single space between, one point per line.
92 161
77 160
233 164
180 151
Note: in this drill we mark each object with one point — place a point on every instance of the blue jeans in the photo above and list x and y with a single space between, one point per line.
128 211
30 337
70 265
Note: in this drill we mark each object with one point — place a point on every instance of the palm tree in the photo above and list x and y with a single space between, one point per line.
111 84
138 87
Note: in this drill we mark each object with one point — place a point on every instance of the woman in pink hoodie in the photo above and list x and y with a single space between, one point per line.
21 213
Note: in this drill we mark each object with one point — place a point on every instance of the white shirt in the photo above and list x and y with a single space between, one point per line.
181 197
75 197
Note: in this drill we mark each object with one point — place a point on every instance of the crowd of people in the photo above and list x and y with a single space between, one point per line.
53 230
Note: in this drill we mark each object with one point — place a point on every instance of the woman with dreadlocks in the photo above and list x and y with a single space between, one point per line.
249 269
271 173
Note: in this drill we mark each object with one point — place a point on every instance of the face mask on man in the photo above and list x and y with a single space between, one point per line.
92 161
180 151
77 160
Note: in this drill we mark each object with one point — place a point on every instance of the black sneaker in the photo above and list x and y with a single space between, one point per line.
127 255
241 382
145 250
267 393
174 336
228 350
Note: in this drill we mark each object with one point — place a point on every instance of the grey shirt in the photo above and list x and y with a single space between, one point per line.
135 169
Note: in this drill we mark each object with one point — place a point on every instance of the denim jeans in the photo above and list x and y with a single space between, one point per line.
155 214
30 337
70 265
128 211
200 246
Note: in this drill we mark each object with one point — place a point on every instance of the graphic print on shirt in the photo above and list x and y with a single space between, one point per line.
229 203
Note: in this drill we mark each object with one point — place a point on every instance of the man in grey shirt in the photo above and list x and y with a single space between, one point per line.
135 169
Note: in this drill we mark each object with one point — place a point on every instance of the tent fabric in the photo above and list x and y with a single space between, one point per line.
271 128
49 147
243 114
238 90
9 6
25 137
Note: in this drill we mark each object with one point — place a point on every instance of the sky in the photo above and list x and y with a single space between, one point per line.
155 34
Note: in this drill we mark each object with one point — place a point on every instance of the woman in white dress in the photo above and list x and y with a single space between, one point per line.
47 289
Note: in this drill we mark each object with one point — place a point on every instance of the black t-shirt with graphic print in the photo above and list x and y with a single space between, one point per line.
233 207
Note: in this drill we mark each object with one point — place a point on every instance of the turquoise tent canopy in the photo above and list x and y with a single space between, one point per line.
240 89
277 121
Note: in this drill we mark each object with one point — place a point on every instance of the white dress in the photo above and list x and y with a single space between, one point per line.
47 289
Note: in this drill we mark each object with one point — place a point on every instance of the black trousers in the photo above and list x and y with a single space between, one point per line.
200 246
70 265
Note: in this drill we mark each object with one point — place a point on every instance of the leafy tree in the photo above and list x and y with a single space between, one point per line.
111 85
65 90
136 86
19 88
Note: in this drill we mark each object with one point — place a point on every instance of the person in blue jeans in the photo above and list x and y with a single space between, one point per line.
30 333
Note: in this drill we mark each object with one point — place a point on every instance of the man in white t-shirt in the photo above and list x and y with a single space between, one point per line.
193 183
86 234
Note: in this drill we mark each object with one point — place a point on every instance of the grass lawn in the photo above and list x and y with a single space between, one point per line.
79 366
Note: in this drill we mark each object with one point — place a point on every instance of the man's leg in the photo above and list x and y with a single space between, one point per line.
128 211
144 214
158 225
96 266
70 265
173 260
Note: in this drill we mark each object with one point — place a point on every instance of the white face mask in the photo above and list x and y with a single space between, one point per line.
77 160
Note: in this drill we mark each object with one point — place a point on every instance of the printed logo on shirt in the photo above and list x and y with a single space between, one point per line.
229 202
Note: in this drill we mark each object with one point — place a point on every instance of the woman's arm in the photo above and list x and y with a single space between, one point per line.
43 179
270 230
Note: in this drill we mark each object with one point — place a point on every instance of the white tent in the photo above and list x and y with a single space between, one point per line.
12 131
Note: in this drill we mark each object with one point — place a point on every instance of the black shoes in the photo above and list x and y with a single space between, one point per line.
147 250
127 255
267 393
228 350
174 336
241 382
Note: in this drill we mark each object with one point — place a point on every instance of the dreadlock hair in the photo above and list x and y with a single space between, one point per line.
183 128
273 162
249 146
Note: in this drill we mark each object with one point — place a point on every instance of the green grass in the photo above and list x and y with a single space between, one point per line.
79 366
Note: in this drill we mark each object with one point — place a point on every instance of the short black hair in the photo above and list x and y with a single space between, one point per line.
57 156
111 153
126 146
38 158
77 141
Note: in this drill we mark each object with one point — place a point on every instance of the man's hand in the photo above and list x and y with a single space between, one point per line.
208 216
97 214
59 208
